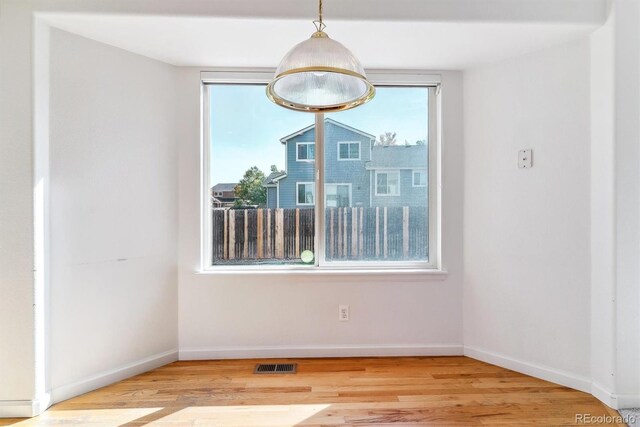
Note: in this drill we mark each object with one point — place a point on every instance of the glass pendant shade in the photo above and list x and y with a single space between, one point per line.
320 75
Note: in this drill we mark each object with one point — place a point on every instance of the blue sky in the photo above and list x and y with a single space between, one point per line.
246 127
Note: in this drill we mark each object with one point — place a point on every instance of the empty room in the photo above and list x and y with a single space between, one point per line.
319 212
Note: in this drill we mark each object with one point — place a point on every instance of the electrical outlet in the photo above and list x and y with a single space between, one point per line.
525 159
343 313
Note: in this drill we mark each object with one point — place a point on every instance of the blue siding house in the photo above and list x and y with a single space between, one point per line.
358 173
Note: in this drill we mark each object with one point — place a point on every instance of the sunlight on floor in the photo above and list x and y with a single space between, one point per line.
219 416
250 415
88 417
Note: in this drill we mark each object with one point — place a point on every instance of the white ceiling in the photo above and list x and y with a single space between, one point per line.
244 41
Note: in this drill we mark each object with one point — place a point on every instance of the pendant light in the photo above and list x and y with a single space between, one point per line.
320 75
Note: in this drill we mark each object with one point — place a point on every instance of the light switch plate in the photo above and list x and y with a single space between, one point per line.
525 159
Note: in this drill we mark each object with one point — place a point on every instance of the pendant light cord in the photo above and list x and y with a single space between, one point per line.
319 24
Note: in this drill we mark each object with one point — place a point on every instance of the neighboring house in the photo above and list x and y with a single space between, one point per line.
272 183
223 195
357 172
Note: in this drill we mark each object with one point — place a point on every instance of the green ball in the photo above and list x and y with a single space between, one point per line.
306 257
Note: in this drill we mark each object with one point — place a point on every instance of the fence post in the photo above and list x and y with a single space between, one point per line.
361 234
377 231
386 249
354 232
259 250
297 233
245 248
345 241
331 238
225 234
405 231
232 234
279 233
269 253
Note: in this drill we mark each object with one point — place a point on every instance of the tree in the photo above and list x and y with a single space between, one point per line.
387 138
249 190
421 142
274 168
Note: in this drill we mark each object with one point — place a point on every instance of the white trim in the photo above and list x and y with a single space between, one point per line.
340 159
379 270
284 139
613 400
314 151
318 233
413 180
377 77
348 184
313 185
206 236
24 408
604 395
627 401
111 376
565 378
288 351
375 183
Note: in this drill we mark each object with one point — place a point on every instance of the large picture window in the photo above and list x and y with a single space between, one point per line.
354 189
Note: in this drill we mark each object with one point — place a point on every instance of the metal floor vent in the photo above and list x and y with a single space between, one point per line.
275 368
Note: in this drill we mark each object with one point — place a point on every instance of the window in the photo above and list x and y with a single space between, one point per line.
337 195
348 151
420 178
363 196
306 151
306 193
388 183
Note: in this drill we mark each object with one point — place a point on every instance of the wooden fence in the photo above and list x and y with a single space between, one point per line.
378 233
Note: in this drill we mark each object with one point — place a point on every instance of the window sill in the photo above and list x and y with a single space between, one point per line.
428 273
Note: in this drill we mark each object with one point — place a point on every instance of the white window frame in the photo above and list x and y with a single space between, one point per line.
348 184
378 78
349 143
413 177
306 143
313 185
387 172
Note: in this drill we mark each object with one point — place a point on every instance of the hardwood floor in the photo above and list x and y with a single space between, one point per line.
438 391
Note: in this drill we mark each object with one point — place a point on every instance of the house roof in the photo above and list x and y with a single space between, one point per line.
326 120
273 178
398 157
224 186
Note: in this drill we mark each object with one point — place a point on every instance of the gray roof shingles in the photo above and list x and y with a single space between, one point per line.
225 186
398 156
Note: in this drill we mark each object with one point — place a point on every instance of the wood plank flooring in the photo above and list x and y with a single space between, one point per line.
409 391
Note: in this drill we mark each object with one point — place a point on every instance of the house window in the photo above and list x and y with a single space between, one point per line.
348 150
337 195
306 193
305 151
419 178
388 183
299 201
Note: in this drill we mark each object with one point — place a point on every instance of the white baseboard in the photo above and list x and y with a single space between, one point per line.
603 394
58 394
320 351
613 400
628 401
24 408
568 379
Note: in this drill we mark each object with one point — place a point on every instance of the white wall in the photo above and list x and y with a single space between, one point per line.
113 212
17 336
526 231
294 314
